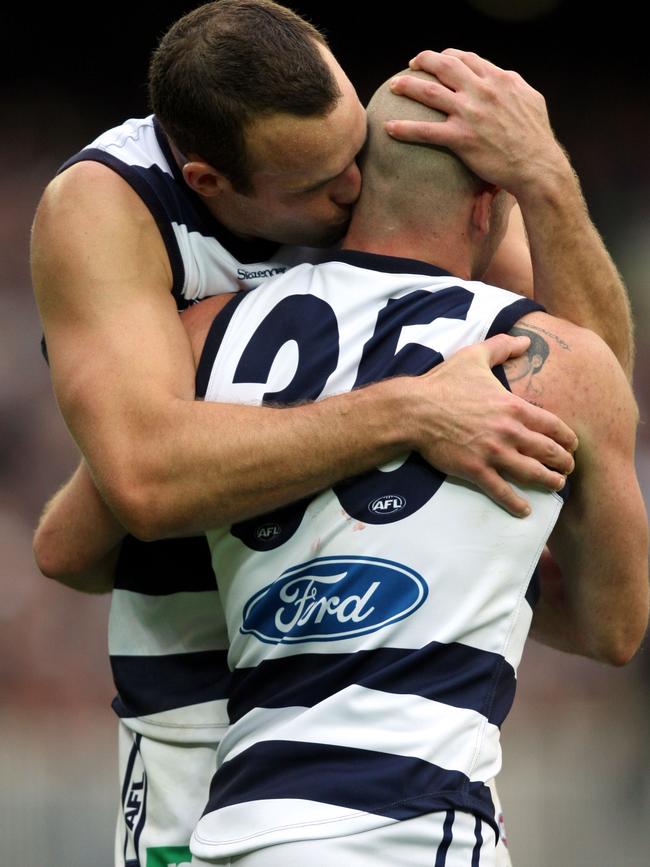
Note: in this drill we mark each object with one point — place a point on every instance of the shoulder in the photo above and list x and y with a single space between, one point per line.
570 371
92 186
198 318
92 229
89 207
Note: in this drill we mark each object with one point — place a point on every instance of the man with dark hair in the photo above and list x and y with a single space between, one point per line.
139 225
209 81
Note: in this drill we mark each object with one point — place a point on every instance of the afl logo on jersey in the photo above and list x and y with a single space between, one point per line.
387 505
267 532
332 598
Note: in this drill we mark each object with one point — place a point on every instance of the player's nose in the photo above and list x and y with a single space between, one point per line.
346 188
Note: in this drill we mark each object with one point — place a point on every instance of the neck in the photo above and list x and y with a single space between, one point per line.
449 251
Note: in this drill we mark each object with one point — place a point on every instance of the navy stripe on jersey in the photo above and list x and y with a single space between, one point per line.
152 684
476 854
454 674
511 314
385 264
165 567
533 591
441 855
331 774
213 342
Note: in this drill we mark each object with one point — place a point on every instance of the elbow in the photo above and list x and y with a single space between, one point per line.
620 646
47 555
142 507
619 654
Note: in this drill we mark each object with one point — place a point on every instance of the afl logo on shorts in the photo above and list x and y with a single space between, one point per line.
387 505
333 598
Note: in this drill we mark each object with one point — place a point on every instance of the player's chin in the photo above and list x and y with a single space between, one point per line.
329 235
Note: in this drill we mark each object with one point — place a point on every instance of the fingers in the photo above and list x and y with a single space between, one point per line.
423 90
427 61
528 471
547 452
544 422
420 132
453 72
501 347
497 489
479 65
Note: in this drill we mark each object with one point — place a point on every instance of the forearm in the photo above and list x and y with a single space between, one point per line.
221 463
593 608
78 539
555 623
574 275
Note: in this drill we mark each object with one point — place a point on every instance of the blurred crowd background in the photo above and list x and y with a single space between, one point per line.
576 781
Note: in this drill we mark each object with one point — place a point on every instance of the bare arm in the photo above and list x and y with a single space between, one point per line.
77 541
594 598
123 374
499 127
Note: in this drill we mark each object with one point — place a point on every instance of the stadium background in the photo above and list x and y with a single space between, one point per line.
575 784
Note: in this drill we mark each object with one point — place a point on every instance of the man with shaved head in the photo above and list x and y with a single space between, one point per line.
375 629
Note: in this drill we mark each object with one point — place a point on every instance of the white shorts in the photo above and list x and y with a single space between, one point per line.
164 790
445 839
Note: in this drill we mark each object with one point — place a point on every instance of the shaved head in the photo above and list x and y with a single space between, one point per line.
402 178
420 200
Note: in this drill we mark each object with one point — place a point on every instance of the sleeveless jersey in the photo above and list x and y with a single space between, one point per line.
167 638
375 629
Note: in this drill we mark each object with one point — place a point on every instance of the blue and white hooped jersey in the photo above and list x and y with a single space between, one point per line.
375 629
167 636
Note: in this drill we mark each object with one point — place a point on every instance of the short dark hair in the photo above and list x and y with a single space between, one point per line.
228 63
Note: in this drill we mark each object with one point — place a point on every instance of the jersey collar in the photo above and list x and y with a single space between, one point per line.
386 264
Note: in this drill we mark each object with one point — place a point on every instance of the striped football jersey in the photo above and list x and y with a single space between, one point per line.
375 628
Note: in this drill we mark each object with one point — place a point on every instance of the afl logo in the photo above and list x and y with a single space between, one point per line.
267 532
387 505
333 598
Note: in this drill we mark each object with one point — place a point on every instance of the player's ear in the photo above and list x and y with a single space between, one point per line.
482 209
204 179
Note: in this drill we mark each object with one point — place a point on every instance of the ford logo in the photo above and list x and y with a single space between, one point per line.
332 598
387 504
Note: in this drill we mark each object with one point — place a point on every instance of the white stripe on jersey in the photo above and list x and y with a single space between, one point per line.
134 143
406 725
450 838
142 625
197 723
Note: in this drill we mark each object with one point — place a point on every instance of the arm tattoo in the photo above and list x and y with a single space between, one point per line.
535 356
524 368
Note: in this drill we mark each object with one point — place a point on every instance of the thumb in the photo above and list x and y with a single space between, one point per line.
501 347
